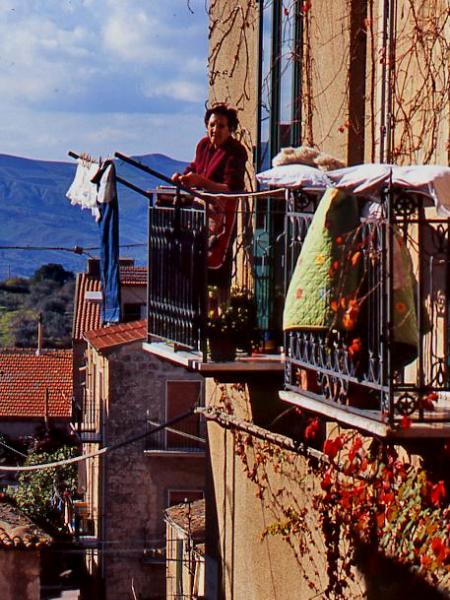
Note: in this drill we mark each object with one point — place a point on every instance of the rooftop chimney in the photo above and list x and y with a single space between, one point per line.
40 333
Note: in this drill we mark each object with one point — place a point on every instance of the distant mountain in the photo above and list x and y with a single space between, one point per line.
35 212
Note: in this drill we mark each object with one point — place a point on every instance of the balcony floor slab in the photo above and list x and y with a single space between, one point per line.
193 361
366 420
175 453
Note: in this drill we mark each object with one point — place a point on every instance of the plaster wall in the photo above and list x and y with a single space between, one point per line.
232 63
252 565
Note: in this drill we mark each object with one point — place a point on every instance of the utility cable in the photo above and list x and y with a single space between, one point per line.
107 449
75 249
13 449
184 434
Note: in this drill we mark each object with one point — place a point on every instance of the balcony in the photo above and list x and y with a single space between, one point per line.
381 364
188 437
88 419
178 280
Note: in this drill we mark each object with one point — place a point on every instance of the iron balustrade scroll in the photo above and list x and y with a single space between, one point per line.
177 259
369 368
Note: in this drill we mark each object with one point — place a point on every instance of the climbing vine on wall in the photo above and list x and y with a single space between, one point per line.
408 54
367 495
327 498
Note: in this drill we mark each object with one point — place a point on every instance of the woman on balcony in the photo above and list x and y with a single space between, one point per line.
218 167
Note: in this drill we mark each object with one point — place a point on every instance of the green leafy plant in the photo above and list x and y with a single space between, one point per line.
37 490
237 319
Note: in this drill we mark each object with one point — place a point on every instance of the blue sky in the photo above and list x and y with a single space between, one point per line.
102 75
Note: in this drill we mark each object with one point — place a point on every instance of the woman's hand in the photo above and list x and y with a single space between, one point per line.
193 180
176 177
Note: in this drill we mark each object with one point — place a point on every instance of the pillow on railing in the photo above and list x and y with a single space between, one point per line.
293 176
432 180
366 180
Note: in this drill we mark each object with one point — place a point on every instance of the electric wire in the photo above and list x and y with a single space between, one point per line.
102 451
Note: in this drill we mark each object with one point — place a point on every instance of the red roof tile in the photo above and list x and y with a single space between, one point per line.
87 312
190 517
117 335
25 377
17 531
87 315
133 275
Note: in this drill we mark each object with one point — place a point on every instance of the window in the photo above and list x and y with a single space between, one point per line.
280 58
181 396
133 312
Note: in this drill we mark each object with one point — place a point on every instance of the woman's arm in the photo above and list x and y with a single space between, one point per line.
200 181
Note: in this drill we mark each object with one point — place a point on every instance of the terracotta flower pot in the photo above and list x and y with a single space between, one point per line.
222 348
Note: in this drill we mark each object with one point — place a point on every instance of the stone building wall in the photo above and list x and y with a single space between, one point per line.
19 575
136 485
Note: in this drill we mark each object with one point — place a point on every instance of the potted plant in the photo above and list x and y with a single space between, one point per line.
232 325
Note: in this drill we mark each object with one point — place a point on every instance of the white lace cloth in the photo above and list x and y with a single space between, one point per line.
88 194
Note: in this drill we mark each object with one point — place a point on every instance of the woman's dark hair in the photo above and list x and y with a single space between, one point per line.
229 113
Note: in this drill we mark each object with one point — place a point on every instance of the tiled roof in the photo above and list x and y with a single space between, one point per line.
117 335
133 275
190 518
87 312
25 377
17 531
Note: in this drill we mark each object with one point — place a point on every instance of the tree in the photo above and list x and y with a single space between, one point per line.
52 272
40 494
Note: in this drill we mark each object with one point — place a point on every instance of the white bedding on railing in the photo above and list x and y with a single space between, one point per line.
367 180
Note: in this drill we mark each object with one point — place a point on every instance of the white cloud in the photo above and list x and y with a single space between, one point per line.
188 91
91 69
99 134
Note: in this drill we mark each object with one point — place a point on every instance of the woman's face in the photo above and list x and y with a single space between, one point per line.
218 129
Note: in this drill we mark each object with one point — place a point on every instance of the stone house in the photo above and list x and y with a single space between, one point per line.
127 490
185 551
87 305
21 543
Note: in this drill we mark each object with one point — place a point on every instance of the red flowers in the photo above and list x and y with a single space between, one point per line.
306 6
312 429
405 422
332 447
351 315
439 549
355 347
357 445
326 483
438 493
356 258
429 399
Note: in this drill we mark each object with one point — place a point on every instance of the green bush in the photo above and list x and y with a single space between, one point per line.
37 490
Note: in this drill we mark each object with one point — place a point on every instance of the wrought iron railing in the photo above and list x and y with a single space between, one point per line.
366 365
178 272
177 291
88 416
189 435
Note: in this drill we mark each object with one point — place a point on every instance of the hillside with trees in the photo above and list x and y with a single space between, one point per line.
48 292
